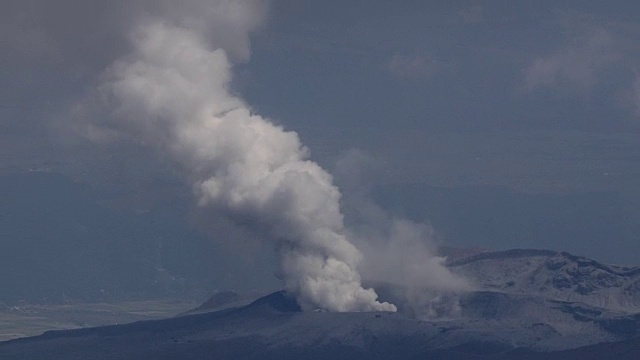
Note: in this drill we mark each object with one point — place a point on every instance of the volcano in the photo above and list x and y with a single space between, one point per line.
509 316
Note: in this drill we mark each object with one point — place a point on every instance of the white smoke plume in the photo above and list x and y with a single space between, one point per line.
402 253
396 251
172 93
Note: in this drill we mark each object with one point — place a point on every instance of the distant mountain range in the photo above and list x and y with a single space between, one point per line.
527 304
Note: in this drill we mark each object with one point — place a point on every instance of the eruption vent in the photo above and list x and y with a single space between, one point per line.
171 92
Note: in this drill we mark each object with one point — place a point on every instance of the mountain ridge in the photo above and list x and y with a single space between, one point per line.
490 322
553 274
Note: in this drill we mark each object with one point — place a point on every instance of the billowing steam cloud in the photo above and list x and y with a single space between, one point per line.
171 91
397 252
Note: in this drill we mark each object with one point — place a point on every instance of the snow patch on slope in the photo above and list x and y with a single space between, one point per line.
554 275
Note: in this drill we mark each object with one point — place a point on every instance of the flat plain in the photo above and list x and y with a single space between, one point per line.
33 319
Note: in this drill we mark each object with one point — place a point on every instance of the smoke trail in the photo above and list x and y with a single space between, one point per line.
171 91
400 255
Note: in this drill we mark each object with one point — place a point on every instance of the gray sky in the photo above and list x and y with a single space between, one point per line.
539 97
342 73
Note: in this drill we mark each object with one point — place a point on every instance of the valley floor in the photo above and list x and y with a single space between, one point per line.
30 320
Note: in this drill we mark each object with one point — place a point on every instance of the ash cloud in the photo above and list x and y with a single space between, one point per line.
171 93
397 251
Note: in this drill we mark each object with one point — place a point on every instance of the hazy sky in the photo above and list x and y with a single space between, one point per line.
538 96
363 74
